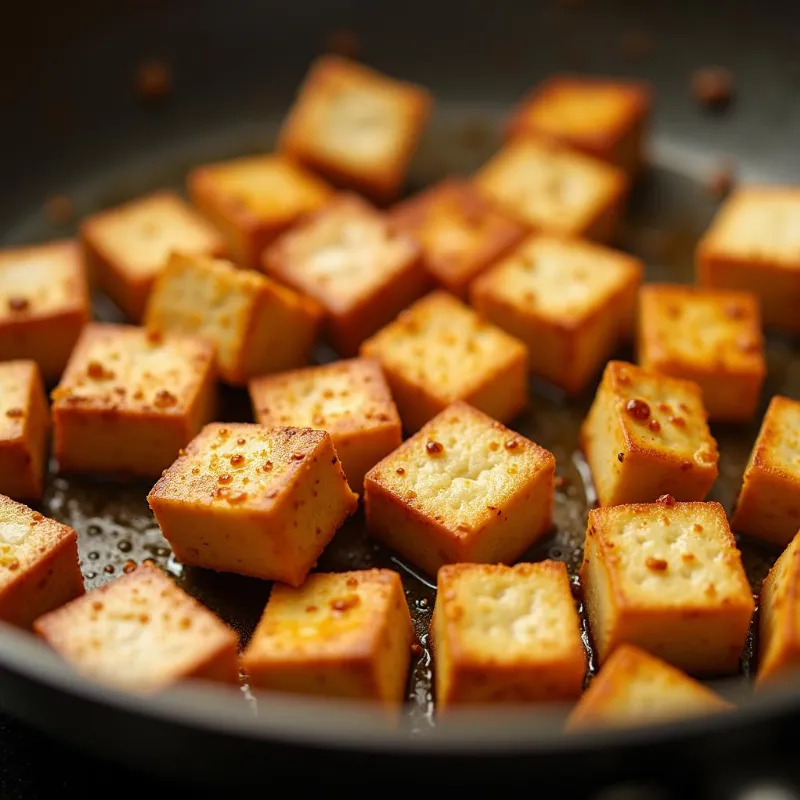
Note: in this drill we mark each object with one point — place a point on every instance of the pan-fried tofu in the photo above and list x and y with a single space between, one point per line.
463 489
439 351
709 336
554 190
667 577
254 500
349 399
127 246
44 304
647 435
569 301
129 400
253 199
356 126
347 634
256 325
506 635
461 232
142 633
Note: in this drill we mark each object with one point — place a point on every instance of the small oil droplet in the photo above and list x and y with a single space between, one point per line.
124 545
109 568
94 530
93 555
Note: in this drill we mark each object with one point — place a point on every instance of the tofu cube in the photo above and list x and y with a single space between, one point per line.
127 246
347 634
439 351
554 190
709 336
356 126
569 301
142 633
461 232
349 399
348 259
463 489
667 577
506 635
646 435
129 400
256 325
44 304
254 500
253 199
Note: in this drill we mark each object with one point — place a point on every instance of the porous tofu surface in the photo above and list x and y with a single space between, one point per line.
16 379
777 449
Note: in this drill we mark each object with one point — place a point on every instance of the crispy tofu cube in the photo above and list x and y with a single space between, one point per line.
44 304
667 577
347 634
349 399
253 199
439 351
349 260
256 325
254 500
554 190
709 336
569 301
464 488
129 400
143 633
356 126
647 435
506 635
461 232
753 245
127 246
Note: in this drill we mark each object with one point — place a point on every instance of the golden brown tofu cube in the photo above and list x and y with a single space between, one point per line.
254 500
709 336
348 399
569 301
667 577
129 400
356 126
347 634
463 489
439 351
44 304
127 246
647 435
506 635
142 632
349 260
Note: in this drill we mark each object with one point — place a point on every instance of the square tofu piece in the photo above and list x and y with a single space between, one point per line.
569 301
130 400
24 429
44 304
461 232
141 632
256 325
439 351
506 635
635 688
646 435
347 634
348 259
710 336
254 500
127 246
667 577
555 190
464 488
753 245
602 117
253 199
356 126
349 399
